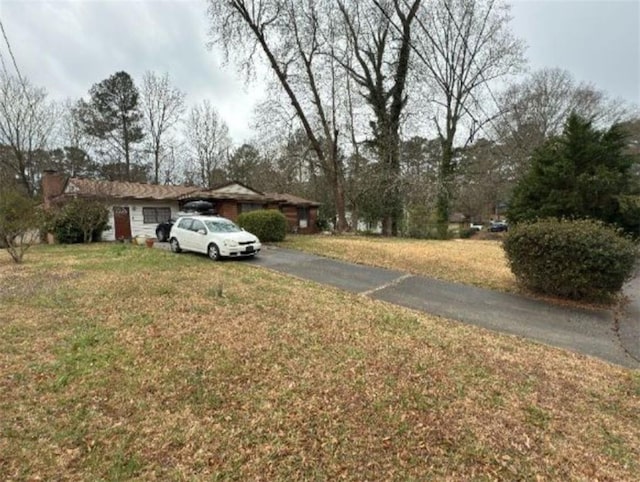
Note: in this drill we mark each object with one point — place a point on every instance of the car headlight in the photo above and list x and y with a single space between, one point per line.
229 243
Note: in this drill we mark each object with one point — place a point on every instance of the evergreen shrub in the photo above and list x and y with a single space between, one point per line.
580 260
269 225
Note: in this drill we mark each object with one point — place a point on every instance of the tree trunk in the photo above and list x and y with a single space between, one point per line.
340 207
355 219
388 147
156 165
444 189
337 185
387 226
126 149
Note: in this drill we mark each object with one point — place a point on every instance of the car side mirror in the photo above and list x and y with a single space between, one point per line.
201 231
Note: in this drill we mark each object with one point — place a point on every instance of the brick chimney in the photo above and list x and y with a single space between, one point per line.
52 186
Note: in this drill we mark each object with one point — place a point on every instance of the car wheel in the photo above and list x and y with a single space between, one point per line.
213 252
161 235
175 246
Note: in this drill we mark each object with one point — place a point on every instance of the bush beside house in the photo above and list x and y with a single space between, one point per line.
269 225
78 221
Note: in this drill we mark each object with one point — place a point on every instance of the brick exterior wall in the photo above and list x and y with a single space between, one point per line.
52 186
228 209
313 221
291 213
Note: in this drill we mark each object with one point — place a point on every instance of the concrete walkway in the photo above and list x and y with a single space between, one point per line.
595 333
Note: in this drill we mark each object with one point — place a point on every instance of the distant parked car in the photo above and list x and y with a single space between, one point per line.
215 236
498 227
475 227
163 230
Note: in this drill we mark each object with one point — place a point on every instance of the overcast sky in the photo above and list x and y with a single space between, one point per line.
67 46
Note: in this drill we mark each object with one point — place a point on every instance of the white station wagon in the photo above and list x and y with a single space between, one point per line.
215 236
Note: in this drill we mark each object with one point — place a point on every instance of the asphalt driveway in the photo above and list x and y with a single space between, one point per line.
597 333
628 318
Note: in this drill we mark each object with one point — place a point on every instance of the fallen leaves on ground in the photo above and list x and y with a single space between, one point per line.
135 363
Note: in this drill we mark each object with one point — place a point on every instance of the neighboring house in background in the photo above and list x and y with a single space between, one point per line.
135 209
457 222
364 226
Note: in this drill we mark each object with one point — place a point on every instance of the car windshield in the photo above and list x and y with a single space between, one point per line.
218 226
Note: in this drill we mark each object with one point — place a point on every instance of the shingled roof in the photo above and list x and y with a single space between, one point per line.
82 187
125 190
291 199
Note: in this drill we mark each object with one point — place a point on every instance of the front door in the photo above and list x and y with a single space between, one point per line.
122 222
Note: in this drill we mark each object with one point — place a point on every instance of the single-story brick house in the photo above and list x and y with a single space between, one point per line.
135 209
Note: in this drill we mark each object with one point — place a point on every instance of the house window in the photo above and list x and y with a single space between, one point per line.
248 207
303 217
155 215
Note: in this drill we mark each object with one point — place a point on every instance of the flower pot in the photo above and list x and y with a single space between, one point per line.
149 242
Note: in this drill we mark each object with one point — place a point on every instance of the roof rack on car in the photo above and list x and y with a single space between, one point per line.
196 213
201 208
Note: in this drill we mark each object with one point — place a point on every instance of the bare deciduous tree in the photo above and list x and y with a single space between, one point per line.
379 35
26 124
296 40
483 179
162 107
208 139
72 146
537 108
70 131
356 162
463 46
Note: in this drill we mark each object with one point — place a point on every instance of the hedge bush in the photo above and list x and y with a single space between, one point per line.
79 221
581 260
269 225
466 233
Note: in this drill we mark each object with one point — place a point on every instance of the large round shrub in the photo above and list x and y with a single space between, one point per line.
584 260
79 221
269 225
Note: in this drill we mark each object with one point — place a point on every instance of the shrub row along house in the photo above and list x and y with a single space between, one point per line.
135 209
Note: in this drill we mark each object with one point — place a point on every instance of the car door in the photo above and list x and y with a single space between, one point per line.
198 236
182 232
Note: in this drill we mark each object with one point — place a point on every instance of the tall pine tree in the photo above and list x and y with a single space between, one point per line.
112 115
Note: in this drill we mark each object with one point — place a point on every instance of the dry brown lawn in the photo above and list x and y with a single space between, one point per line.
477 262
469 261
121 362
